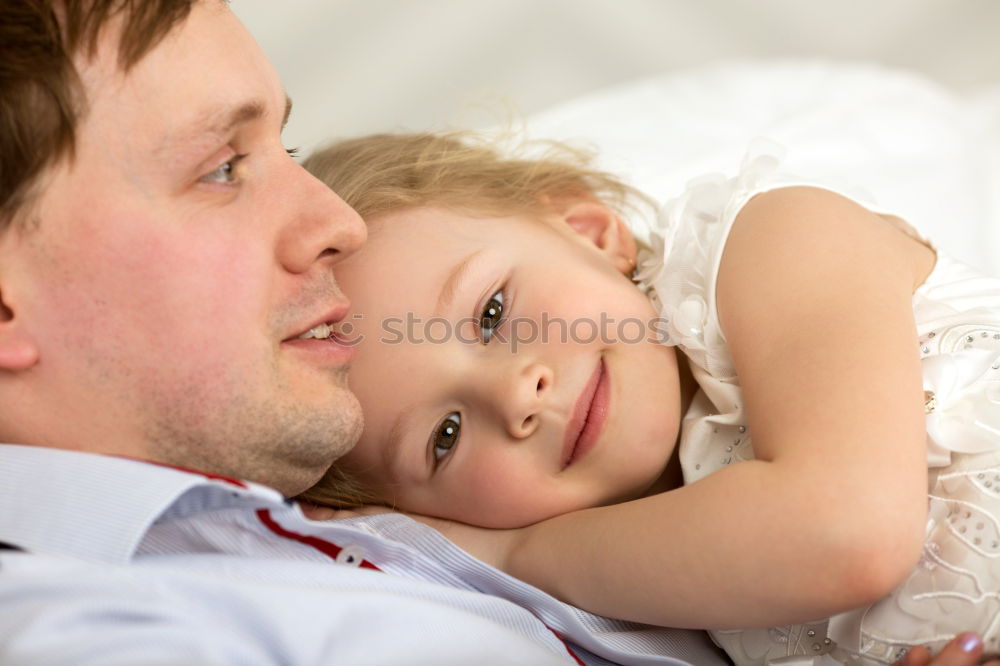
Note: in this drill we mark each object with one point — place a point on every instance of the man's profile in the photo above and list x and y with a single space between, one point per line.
162 264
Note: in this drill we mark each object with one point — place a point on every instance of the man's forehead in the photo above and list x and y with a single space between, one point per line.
206 77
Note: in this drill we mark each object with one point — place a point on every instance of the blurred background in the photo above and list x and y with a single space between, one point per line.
359 66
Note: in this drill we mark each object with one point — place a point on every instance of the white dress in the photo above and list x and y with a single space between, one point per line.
956 585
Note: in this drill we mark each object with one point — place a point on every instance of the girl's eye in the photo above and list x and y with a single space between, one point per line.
492 316
446 436
225 173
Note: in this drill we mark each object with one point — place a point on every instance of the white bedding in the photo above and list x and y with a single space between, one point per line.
913 146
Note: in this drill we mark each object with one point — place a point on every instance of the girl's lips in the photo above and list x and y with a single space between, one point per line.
588 418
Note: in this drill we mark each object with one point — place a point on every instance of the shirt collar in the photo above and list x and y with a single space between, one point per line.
91 506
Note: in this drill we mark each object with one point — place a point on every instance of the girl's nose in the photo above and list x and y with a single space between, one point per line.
526 391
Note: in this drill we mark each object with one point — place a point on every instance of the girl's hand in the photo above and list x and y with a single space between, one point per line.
964 650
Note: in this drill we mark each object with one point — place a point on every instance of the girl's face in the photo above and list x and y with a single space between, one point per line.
507 368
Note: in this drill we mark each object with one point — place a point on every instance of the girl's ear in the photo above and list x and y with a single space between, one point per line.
17 350
601 226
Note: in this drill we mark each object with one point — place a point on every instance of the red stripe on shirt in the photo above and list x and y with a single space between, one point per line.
211 477
331 550
565 645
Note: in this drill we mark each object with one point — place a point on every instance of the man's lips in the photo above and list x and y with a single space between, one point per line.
588 417
333 350
333 315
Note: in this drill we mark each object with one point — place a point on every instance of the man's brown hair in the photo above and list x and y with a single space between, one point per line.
41 98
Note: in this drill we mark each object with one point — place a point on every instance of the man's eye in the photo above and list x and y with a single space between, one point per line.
446 436
225 173
492 316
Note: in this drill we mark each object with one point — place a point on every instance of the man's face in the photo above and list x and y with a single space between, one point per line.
174 265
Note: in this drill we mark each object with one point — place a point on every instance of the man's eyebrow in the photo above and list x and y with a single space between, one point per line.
223 121
454 280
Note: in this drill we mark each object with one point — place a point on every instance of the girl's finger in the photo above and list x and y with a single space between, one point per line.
963 650
918 656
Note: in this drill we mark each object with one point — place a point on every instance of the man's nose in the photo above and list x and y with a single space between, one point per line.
324 228
524 392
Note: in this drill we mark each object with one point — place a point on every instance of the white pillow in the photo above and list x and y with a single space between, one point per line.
915 148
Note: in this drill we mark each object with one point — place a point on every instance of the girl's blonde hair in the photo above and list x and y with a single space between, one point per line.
466 171
383 173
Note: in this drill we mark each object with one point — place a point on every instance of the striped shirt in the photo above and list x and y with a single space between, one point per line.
118 561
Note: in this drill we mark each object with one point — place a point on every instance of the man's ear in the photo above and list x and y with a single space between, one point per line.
17 350
604 229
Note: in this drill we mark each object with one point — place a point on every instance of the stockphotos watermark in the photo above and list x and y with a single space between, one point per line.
515 332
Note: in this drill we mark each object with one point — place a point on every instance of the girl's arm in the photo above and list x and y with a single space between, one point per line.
814 296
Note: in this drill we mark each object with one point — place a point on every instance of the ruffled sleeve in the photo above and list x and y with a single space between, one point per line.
678 273
679 270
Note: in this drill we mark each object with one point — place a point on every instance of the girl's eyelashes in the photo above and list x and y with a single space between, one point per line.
446 436
225 173
492 316
292 152
447 433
